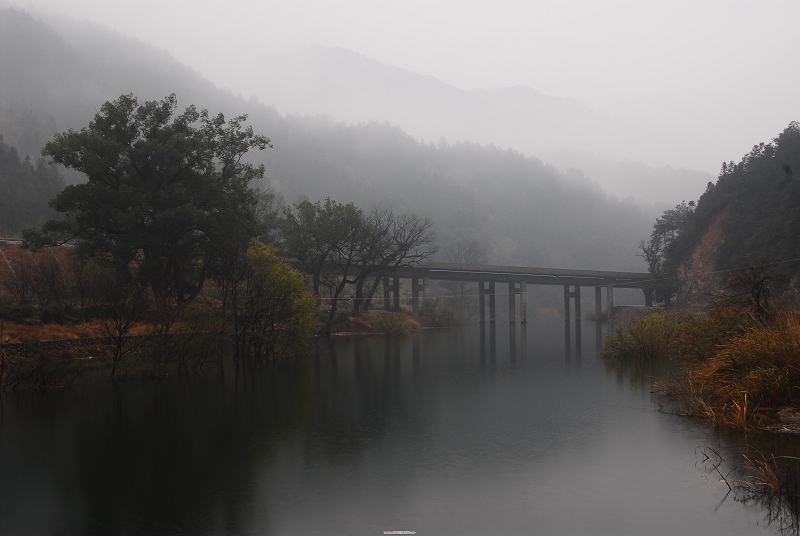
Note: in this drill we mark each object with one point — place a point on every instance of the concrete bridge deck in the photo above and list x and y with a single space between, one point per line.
517 278
441 271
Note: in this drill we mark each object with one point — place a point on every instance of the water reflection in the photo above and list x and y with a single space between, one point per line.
598 337
488 346
445 432
769 482
772 484
512 342
736 459
567 339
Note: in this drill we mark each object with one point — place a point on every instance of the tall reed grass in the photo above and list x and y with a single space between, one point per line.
757 369
736 367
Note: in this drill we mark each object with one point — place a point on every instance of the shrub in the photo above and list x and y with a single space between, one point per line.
759 368
392 324
652 337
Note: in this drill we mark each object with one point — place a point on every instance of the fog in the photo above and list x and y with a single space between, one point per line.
702 82
627 92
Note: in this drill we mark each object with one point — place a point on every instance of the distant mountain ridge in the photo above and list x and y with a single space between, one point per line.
354 88
351 87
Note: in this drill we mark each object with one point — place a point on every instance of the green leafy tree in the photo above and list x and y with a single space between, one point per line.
319 234
167 194
659 252
273 313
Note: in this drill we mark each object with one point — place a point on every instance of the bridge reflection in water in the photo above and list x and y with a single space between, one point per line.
518 340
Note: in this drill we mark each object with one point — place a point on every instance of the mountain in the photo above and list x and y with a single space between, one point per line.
56 75
351 87
348 86
53 79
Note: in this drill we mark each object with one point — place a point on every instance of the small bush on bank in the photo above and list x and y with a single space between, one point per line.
652 337
701 336
393 324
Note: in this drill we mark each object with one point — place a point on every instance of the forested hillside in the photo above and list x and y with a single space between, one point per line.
25 188
519 209
749 218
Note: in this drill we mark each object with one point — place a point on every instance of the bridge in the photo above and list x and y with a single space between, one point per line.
517 278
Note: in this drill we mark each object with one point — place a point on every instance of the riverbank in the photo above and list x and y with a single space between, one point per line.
50 355
625 314
737 370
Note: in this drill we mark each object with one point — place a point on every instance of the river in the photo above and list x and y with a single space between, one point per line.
520 431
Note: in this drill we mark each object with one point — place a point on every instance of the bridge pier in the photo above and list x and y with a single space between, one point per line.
486 288
418 308
481 302
391 294
517 288
425 283
574 294
491 302
598 303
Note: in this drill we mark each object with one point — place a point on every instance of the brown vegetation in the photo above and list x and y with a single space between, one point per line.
63 315
739 370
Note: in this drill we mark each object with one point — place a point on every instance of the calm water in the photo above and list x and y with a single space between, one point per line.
449 432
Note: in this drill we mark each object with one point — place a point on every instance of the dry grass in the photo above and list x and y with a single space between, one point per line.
393 324
764 475
772 482
19 332
738 368
759 369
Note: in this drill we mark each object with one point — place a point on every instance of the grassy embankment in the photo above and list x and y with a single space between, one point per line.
45 351
738 370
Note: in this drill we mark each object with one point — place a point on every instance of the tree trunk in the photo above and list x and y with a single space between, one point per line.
359 298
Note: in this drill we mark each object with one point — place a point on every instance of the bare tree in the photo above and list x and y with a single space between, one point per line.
750 286
125 303
340 246
395 242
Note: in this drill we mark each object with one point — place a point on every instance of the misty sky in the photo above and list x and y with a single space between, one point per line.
724 70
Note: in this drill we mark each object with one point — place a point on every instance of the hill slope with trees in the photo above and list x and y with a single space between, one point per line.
748 222
26 185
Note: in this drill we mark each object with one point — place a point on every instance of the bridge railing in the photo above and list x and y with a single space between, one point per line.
533 275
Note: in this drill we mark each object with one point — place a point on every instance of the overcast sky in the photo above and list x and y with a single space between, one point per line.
705 69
